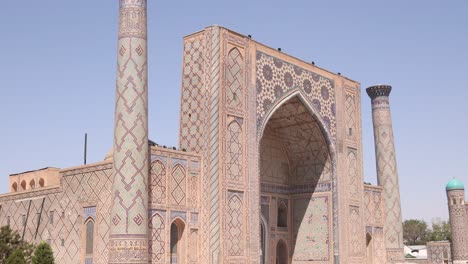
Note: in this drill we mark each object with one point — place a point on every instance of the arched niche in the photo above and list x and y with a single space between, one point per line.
176 241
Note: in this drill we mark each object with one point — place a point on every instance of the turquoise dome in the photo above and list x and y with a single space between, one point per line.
454 184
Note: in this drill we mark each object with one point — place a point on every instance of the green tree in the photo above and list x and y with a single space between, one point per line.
43 254
10 241
17 257
414 232
440 231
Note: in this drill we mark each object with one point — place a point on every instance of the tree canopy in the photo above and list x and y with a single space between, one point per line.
17 257
414 231
417 232
10 241
43 254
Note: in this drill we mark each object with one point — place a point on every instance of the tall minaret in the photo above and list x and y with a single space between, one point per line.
387 175
457 215
128 238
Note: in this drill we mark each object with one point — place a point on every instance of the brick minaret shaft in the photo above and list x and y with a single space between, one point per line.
457 216
387 175
128 239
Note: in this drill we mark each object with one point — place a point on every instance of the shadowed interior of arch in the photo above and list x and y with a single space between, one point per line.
177 231
296 173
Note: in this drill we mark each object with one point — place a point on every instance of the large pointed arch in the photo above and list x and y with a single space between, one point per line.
330 144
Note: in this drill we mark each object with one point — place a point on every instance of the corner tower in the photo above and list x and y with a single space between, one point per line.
457 214
387 175
128 238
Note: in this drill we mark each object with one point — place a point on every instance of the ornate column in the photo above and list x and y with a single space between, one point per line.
387 175
457 215
128 238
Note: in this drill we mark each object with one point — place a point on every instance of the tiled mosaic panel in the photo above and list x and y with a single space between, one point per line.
86 186
235 79
355 227
276 77
351 122
311 229
379 246
354 181
178 185
234 225
234 152
438 252
157 242
193 112
373 213
158 182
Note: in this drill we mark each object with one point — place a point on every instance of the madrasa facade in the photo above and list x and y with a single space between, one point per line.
268 168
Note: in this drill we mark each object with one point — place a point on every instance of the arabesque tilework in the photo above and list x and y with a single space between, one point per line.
276 77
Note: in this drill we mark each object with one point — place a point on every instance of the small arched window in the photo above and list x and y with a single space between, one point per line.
23 185
89 238
41 182
32 184
14 187
454 201
282 215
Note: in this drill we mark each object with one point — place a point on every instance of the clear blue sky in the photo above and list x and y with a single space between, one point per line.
58 60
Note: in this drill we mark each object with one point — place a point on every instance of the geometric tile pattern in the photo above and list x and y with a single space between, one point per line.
178 185
373 204
353 179
212 156
355 227
85 194
158 182
380 255
458 225
90 186
234 152
311 229
157 241
234 77
234 229
387 169
439 252
351 124
276 77
193 97
378 208
128 242
373 216
194 190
